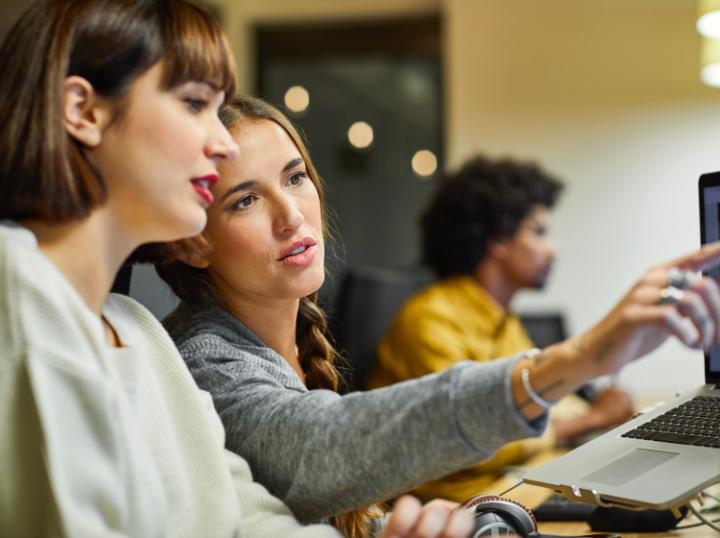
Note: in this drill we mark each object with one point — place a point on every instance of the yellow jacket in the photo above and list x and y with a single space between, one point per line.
453 319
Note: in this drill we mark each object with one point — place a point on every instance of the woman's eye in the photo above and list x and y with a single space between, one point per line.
195 104
297 178
245 202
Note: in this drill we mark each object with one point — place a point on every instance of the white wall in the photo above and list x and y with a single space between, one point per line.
605 94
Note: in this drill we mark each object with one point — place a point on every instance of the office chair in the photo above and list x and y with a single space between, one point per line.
547 328
122 280
367 302
544 328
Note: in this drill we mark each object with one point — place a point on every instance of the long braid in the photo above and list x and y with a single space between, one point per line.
315 351
317 356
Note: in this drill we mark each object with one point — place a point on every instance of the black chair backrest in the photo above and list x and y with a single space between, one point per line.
544 328
547 328
367 303
122 280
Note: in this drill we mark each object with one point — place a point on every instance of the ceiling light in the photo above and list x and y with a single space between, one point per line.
361 135
708 23
424 163
297 99
710 62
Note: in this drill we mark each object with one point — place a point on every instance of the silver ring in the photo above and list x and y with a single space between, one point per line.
677 278
671 295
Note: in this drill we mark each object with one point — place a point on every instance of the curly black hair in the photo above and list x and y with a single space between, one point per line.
484 201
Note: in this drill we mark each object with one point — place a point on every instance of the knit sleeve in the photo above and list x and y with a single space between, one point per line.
265 515
324 454
65 456
64 461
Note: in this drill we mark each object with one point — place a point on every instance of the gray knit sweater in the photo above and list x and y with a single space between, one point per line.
325 454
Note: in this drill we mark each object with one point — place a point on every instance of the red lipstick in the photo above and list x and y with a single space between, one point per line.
202 186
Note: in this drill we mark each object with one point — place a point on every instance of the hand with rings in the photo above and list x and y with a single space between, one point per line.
671 299
677 281
674 293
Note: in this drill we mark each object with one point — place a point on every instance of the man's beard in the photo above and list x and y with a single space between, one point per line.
542 277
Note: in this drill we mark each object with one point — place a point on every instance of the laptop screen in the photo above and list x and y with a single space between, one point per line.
709 187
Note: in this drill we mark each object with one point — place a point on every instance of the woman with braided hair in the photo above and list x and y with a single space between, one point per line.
252 334
290 335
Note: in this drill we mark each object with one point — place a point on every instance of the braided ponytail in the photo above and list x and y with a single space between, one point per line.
315 351
317 356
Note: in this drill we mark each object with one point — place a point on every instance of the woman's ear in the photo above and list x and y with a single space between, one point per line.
85 114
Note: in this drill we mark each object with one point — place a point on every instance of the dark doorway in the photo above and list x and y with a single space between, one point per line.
388 75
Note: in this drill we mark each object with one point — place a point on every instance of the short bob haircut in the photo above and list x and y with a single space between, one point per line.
44 173
486 200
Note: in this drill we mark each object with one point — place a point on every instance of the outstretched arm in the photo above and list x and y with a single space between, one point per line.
324 454
638 324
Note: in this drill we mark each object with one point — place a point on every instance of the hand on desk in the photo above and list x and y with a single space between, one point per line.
611 407
410 519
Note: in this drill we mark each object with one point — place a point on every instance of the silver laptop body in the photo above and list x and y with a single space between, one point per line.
663 469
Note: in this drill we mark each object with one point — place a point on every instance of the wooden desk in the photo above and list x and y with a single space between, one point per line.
574 528
531 496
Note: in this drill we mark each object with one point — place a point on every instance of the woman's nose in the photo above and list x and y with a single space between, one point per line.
220 144
288 216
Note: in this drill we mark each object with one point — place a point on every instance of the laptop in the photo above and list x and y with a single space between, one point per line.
660 459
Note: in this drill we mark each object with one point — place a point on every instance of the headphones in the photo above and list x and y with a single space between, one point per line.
497 516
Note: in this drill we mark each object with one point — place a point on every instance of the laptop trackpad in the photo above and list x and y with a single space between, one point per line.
629 466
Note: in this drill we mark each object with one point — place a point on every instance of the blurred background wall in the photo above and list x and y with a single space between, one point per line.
605 94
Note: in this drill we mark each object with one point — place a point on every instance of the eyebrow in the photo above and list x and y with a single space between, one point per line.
292 164
244 185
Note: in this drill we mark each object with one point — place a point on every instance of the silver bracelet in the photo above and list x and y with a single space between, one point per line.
525 377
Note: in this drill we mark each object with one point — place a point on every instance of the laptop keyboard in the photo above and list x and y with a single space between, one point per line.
695 422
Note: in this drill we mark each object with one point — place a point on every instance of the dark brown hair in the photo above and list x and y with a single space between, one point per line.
196 287
43 170
484 201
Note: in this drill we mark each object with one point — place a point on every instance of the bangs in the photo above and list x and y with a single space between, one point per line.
196 50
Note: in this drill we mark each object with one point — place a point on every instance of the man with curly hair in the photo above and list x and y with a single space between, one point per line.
485 237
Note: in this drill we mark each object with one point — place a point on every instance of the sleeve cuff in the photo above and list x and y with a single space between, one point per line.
485 413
